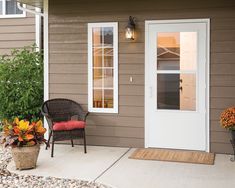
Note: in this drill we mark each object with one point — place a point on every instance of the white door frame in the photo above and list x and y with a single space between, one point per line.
207 21
46 56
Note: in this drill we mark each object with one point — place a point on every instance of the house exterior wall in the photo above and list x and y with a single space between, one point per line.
16 33
68 62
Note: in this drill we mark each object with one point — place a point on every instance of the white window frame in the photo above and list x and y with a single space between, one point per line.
4 15
114 25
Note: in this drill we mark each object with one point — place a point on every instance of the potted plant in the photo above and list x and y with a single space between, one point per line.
227 121
24 138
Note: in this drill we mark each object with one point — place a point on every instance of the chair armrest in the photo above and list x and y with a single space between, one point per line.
44 114
83 115
49 119
86 114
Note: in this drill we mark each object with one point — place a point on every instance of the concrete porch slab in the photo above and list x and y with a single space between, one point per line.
71 162
130 173
111 166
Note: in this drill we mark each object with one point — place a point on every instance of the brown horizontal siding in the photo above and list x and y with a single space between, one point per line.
115 131
61 58
124 48
78 68
68 62
80 98
69 68
223 35
74 78
218 103
14 44
215 113
16 33
70 33
20 21
221 148
222 57
220 137
222 80
139 5
79 58
17 29
123 100
214 13
222 69
68 78
222 91
17 37
215 126
136 90
223 47
114 141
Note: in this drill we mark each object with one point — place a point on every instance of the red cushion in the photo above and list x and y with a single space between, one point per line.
68 125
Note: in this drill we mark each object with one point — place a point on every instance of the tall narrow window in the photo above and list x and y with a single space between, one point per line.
103 67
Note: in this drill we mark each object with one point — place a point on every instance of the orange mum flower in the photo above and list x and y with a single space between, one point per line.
227 118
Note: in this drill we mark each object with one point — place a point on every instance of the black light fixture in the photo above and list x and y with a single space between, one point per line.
130 29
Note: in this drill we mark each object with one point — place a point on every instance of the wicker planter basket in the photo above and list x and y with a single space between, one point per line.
25 157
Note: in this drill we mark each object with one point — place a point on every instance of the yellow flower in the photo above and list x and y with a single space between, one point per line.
23 125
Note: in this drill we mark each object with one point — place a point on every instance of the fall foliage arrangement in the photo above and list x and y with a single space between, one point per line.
21 133
227 118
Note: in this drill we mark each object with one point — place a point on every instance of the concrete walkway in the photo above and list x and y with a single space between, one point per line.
111 166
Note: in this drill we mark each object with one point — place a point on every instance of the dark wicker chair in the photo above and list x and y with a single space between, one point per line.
63 110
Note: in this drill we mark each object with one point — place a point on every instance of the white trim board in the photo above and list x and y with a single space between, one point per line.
46 57
207 107
38 29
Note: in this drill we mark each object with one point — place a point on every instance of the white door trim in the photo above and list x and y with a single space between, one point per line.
147 87
46 55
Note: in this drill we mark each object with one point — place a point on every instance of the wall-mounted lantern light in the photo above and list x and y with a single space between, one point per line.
130 29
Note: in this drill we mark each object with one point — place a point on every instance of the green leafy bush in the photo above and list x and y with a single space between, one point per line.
21 84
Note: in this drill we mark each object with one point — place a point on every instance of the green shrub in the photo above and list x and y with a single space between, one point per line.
21 84
1 128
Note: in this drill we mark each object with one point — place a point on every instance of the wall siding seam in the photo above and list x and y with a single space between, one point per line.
113 126
104 136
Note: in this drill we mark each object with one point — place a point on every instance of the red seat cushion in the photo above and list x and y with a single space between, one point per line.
68 125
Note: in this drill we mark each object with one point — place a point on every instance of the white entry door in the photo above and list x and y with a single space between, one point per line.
176 81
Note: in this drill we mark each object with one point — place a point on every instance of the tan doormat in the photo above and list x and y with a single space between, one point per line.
174 156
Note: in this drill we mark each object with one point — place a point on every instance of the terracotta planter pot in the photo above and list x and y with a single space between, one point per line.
25 157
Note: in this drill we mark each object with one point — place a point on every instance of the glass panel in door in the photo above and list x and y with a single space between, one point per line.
176 71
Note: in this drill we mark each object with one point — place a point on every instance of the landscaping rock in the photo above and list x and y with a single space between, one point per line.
11 180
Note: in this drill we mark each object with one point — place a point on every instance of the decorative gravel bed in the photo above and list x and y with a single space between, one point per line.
11 180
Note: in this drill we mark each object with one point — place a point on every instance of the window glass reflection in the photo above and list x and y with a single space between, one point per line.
176 92
11 7
103 67
108 35
0 7
177 51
